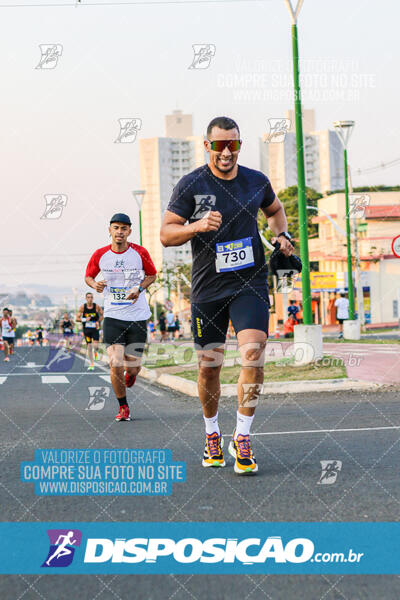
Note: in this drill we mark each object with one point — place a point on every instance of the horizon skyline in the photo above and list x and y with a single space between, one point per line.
62 123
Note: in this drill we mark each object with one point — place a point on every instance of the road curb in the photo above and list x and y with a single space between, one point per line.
189 388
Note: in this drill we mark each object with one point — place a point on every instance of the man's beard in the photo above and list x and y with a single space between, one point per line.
225 170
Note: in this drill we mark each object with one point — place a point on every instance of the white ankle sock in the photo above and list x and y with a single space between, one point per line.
243 424
211 424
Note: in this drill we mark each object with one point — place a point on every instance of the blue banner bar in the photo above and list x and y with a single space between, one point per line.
208 548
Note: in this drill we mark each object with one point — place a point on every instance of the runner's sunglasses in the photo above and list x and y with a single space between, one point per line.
220 145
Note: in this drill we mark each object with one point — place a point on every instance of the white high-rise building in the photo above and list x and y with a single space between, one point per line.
323 157
163 161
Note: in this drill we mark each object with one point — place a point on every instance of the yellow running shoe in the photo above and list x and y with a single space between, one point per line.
213 456
240 449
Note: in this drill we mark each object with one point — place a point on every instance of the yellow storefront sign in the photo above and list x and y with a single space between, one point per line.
320 280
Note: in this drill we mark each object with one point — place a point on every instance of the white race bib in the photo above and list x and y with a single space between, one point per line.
118 296
235 255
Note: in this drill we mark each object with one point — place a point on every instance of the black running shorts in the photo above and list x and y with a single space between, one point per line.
131 334
210 320
91 335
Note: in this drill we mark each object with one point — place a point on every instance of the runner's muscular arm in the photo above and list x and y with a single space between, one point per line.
96 285
174 232
148 280
79 315
277 222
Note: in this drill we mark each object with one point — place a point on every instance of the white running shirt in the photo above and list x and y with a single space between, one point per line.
122 271
342 305
6 329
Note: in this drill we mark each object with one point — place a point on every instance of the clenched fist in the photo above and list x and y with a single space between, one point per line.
100 285
210 222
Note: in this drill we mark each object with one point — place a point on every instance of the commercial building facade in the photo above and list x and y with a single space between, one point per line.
377 222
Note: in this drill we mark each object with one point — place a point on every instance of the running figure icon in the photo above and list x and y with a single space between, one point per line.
61 354
62 549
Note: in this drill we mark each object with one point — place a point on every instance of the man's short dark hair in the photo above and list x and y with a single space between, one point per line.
223 123
89 293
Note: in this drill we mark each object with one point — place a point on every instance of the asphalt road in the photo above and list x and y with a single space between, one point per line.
37 413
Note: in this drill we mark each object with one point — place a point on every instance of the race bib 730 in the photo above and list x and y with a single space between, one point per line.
234 255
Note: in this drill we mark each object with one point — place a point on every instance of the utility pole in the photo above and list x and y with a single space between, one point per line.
359 286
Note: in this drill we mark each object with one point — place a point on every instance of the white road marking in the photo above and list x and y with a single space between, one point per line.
106 378
107 370
54 379
323 430
2 380
54 373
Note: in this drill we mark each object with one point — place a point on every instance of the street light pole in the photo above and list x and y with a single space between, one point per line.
139 197
343 130
301 180
359 285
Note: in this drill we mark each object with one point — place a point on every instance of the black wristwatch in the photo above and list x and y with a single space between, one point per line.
140 289
286 235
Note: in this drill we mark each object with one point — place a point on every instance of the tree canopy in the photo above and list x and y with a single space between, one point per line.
288 197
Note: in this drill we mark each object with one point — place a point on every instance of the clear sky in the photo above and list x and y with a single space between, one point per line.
59 125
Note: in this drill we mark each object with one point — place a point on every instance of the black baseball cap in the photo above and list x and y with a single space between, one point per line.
120 218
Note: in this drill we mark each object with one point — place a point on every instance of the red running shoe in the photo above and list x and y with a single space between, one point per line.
124 414
129 379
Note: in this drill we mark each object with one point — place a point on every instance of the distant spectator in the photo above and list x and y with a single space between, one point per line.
293 309
152 329
162 326
342 311
178 327
171 324
288 326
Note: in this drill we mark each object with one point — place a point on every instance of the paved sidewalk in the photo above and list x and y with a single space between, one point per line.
378 363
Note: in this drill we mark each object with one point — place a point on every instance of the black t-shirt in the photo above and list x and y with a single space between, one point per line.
293 309
67 326
238 200
90 314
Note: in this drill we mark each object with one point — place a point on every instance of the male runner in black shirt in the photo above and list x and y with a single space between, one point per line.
67 329
220 201
90 315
